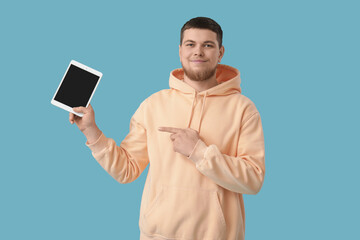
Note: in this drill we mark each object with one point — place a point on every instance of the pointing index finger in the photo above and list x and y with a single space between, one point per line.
169 129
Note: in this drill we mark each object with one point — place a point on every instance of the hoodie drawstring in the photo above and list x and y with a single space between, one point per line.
201 113
192 109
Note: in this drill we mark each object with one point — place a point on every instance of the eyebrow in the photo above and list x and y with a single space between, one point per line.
204 42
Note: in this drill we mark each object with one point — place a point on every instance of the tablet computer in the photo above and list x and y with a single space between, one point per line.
76 87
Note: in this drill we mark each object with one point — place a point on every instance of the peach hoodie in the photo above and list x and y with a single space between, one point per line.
199 197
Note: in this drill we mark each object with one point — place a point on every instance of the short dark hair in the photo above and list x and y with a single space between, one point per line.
203 23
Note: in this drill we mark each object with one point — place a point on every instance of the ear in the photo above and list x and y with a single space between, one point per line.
180 51
221 53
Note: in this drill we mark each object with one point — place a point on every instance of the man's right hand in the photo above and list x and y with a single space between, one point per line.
86 123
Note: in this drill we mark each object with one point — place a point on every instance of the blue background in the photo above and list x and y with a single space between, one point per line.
299 63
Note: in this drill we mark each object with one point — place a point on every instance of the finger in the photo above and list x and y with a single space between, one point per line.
169 129
173 137
71 118
80 110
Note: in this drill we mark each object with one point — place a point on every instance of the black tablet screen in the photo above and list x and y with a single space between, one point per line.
77 87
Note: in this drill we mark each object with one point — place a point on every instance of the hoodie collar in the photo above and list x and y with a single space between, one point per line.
229 83
227 77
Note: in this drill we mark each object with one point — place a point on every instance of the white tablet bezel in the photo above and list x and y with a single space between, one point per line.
86 68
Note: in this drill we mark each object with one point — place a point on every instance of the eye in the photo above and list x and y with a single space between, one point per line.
208 45
190 44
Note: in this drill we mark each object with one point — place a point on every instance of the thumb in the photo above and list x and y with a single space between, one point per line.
80 109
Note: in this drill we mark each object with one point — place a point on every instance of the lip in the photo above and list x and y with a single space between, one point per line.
198 61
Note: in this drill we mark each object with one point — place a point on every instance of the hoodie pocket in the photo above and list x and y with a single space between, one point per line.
180 213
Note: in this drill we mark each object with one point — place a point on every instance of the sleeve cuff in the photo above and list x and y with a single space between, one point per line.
198 152
99 144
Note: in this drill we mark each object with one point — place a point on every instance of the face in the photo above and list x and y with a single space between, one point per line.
200 54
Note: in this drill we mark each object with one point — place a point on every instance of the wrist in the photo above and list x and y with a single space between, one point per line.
198 152
92 134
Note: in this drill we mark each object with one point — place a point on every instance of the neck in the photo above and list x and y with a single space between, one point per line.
200 86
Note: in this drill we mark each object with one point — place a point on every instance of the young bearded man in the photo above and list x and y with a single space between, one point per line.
202 138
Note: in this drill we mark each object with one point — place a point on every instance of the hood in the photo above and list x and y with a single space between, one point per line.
229 83
227 77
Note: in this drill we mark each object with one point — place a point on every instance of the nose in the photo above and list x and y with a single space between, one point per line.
199 51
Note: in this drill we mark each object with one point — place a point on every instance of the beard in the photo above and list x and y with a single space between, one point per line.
199 75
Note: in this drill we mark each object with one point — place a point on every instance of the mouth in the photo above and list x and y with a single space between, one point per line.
198 61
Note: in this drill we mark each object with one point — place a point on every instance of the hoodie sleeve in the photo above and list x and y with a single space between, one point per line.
126 162
243 173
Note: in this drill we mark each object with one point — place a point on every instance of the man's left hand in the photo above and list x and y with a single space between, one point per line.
184 139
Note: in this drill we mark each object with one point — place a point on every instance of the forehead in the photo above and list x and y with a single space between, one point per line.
199 35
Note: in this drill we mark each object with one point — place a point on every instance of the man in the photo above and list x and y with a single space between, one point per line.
202 138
